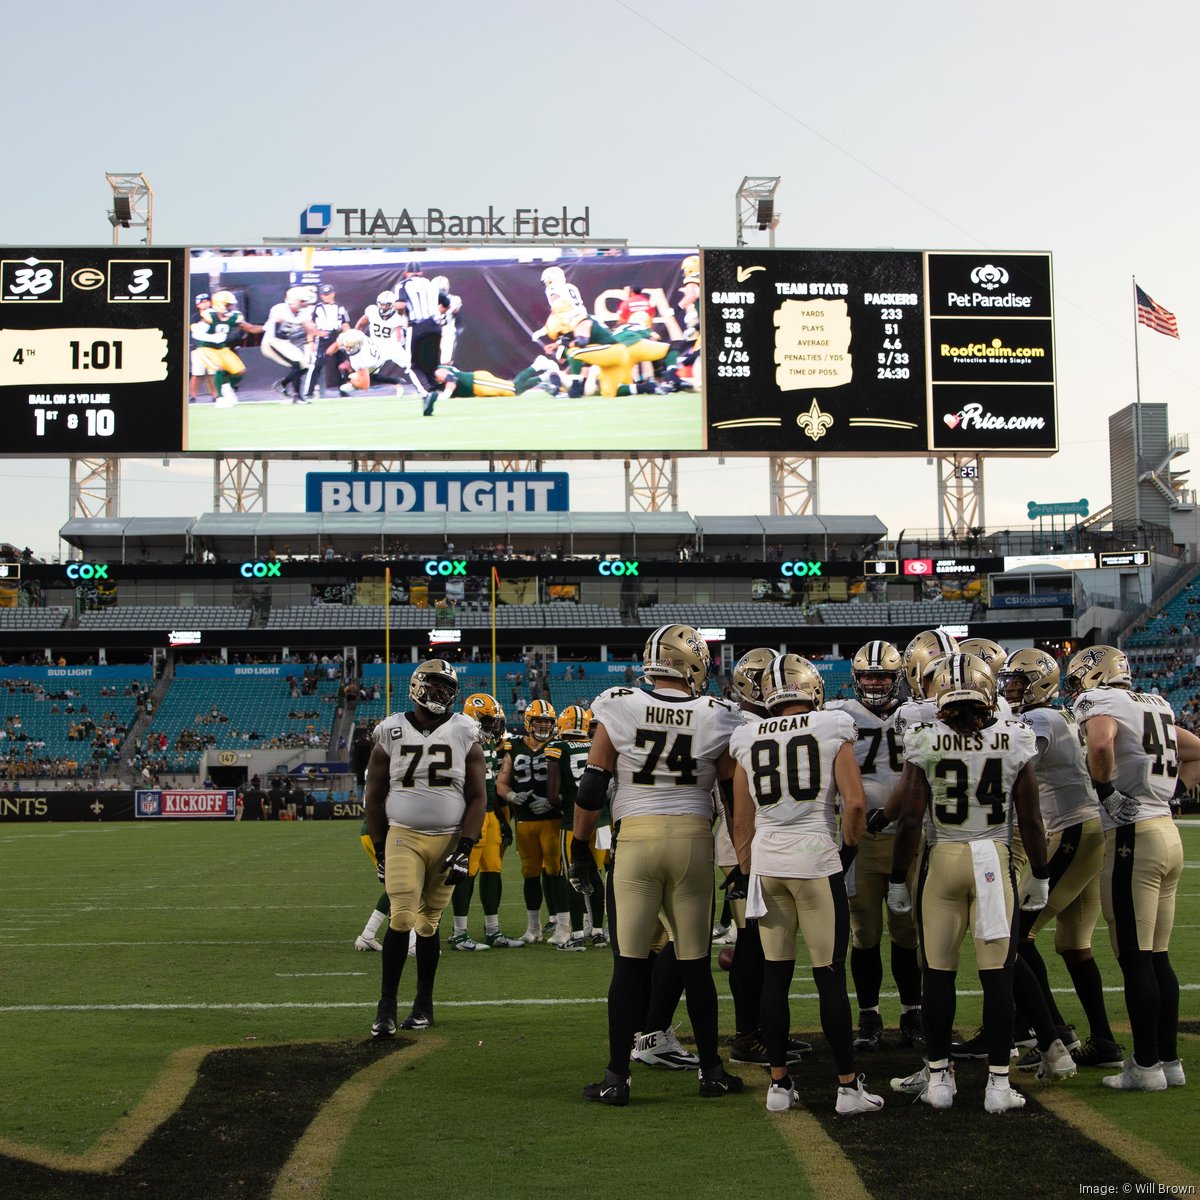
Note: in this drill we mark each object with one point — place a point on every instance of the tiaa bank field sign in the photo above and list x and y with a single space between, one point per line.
441 491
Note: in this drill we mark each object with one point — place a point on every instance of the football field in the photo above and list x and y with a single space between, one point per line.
379 422
183 1014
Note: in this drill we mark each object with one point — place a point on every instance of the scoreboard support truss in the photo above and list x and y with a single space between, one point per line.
95 487
795 487
960 493
240 484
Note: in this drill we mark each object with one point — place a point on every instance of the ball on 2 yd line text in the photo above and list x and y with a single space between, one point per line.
725 958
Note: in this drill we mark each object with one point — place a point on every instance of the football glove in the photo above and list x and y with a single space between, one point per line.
736 885
898 899
847 854
1121 807
581 871
520 799
379 871
457 864
540 806
506 835
1037 892
877 821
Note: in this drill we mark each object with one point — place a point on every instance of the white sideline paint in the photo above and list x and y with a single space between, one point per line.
545 1002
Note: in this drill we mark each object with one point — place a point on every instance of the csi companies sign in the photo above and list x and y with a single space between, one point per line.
446 492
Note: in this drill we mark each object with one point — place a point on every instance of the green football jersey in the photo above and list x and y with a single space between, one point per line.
572 758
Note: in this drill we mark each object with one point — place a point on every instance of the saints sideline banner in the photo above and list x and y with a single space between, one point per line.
33 805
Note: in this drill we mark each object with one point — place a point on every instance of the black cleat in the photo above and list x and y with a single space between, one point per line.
613 1089
419 1018
912 1028
870 1032
750 1050
796 1049
1096 1052
974 1047
385 1020
716 1081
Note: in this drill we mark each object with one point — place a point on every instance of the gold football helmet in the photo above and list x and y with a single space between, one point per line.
575 721
1029 678
791 679
964 690
1097 666
925 649
691 268
224 302
677 652
487 711
992 653
877 658
433 686
540 720
748 673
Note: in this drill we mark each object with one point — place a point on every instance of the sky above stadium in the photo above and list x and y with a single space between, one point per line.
1064 127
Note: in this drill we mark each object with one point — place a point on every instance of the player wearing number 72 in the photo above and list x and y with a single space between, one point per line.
425 797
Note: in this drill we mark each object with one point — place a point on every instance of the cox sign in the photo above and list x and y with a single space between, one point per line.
618 566
445 566
87 571
799 569
260 570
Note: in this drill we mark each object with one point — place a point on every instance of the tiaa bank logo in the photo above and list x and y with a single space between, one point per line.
316 219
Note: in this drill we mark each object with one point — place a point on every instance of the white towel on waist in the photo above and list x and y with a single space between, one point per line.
852 880
991 920
756 906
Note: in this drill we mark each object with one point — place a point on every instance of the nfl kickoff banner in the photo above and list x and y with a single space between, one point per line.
186 804
442 491
33 805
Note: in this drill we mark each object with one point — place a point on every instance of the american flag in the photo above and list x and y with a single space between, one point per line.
1154 315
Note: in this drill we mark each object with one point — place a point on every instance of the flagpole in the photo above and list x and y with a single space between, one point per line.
1137 411
1137 366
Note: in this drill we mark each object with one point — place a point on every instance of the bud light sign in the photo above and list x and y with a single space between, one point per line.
442 491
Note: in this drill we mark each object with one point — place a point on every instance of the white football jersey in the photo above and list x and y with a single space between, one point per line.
383 328
427 771
1066 791
286 325
789 764
879 751
667 747
910 713
971 777
1145 747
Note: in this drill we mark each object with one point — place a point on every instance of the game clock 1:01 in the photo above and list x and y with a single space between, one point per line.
91 354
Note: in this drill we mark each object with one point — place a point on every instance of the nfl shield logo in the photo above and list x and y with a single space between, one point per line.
989 876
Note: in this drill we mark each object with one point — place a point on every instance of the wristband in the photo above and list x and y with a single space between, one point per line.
1040 872
1104 788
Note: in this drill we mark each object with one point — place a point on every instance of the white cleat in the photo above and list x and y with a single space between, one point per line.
1138 1079
1056 1063
999 1096
941 1089
781 1097
854 1098
464 941
1173 1070
662 1049
912 1085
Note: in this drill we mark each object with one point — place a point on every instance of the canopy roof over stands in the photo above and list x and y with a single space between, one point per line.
244 535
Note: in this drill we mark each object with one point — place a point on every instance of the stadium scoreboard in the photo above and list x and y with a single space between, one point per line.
92 350
879 352
800 352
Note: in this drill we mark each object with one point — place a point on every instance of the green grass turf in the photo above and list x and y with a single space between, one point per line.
241 935
379 422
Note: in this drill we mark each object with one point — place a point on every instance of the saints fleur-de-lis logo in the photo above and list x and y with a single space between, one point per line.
815 422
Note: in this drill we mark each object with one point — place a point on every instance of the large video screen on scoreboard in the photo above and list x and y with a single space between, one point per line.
91 350
479 350
878 352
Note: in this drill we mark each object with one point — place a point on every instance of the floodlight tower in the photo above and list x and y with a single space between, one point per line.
795 482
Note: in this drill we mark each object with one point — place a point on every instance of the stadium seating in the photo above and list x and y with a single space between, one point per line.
1166 626
19 620
508 616
166 616
924 613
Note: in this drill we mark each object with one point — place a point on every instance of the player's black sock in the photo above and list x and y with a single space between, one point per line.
1089 987
1168 1007
395 955
906 971
575 908
666 987
836 1022
726 914
490 891
701 993
997 1014
866 969
533 895
1027 996
937 1011
630 978
596 903
429 951
774 1016
460 898
1032 958
746 979
1143 1003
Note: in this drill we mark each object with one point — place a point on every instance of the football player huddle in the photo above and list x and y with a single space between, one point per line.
962 790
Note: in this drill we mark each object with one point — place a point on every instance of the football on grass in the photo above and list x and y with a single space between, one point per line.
725 958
